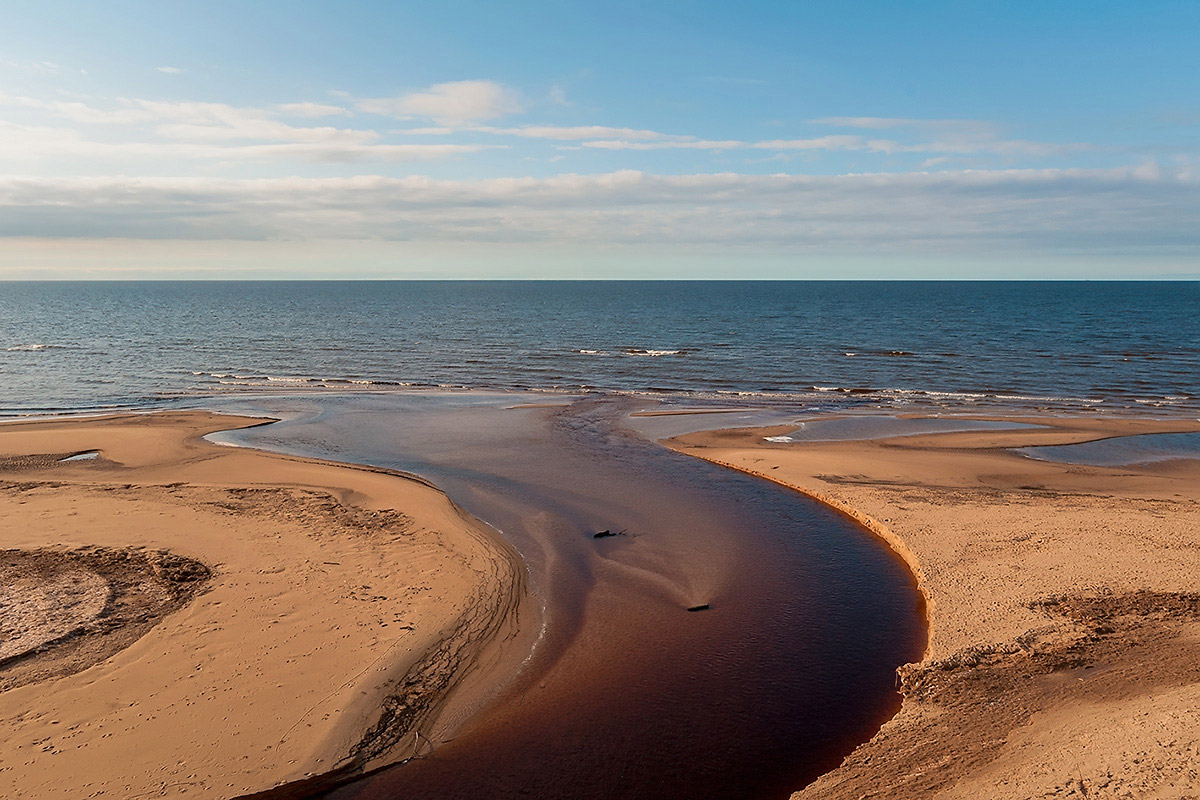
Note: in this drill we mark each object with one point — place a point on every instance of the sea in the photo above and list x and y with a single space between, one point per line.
813 345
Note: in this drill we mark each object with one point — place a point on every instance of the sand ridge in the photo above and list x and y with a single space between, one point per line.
1064 604
340 607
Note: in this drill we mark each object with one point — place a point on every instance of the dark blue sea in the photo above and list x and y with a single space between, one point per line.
812 345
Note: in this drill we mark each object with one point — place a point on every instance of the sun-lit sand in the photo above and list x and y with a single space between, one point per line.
1065 609
183 618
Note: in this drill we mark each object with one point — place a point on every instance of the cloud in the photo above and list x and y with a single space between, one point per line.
670 144
578 132
952 137
311 110
1144 207
462 108
200 131
979 127
456 103
170 70
949 145
36 67
431 130
27 144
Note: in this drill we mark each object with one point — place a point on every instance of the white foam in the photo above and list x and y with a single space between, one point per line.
638 351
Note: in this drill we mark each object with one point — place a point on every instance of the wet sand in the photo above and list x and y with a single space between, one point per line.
183 618
1064 658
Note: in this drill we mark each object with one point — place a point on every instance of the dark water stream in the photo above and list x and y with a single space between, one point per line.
630 695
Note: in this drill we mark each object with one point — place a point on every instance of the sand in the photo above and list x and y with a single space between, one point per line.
181 618
1064 603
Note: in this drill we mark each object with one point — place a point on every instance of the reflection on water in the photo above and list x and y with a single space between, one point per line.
859 426
631 696
1121 450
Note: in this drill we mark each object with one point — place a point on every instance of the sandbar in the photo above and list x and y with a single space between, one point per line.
1064 603
182 618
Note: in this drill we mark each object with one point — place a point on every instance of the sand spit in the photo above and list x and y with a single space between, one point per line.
680 412
181 618
1064 658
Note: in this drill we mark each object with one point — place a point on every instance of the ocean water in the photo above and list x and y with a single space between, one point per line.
1121 451
813 345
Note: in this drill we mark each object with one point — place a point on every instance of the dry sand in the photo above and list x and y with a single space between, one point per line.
182 618
1064 658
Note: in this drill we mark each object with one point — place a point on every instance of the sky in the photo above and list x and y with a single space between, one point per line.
600 140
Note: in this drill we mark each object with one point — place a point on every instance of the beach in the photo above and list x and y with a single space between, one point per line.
1064 607
184 618
188 618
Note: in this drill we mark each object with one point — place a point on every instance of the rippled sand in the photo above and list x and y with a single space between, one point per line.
183 618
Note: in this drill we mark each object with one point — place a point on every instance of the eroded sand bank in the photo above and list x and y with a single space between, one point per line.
1065 609
183 618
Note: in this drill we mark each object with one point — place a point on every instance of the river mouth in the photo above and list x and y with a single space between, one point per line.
628 693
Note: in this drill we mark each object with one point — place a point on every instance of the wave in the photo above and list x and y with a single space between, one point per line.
641 351
845 389
634 351
885 353
817 393
31 348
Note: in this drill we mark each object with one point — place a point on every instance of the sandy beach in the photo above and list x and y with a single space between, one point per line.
1064 604
183 618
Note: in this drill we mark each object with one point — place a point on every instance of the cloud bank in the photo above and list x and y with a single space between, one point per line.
75 168
1132 208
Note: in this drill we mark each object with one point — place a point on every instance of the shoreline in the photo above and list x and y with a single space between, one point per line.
939 502
934 498
304 548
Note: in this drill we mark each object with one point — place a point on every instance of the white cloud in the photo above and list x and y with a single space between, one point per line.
151 129
949 145
671 144
431 130
311 110
979 127
816 143
1118 210
253 129
455 103
36 67
170 70
578 132
23 145
460 108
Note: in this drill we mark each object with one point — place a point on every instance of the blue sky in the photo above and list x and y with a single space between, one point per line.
600 140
